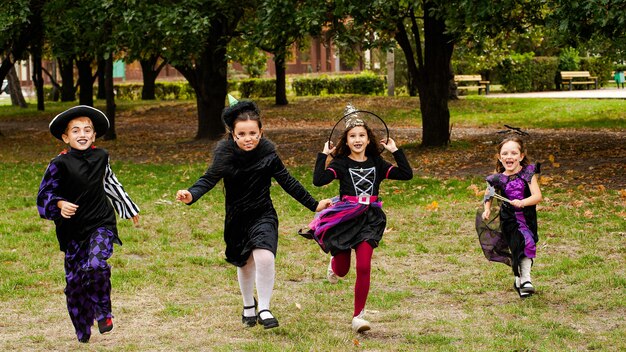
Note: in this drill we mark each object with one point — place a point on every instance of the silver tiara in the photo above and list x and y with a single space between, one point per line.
354 119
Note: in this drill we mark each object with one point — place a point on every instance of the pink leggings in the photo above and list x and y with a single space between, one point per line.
341 266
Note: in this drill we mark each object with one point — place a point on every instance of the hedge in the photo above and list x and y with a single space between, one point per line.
525 73
257 87
366 83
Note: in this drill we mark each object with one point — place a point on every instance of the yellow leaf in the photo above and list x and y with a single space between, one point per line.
622 193
551 158
434 206
556 164
545 180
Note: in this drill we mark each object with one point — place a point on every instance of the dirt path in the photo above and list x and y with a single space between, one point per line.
165 135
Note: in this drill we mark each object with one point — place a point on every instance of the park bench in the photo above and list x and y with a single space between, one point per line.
477 80
578 77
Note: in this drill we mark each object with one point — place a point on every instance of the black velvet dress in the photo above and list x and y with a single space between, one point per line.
251 221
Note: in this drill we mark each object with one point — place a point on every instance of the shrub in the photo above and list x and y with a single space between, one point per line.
366 83
516 73
597 66
569 60
257 87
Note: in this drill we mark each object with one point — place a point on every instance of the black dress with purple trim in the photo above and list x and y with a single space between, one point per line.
350 222
518 225
251 220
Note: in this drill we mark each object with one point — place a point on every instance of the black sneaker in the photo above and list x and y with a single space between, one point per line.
105 325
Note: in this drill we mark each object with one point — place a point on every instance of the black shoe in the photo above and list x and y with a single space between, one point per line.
85 339
249 321
105 325
269 322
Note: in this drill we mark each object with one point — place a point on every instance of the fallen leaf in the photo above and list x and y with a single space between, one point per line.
622 193
588 214
356 342
298 306
551 158
434 206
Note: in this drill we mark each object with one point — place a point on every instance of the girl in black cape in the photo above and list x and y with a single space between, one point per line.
247 162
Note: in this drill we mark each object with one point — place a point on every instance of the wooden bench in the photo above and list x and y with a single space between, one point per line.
573 77
476 79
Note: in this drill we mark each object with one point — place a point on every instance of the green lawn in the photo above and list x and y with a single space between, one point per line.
432 288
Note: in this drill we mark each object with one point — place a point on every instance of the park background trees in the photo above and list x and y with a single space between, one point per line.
196 38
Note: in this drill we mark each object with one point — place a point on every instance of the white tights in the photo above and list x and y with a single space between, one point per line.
259 269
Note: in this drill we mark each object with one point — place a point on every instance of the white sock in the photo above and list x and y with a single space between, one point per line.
265 274
525 265
245 276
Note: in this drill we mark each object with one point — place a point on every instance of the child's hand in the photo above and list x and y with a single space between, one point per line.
323 204
389 144
518 203
135 219
486 214
184 196
328 148
67 209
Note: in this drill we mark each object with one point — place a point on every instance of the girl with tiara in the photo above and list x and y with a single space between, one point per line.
355 221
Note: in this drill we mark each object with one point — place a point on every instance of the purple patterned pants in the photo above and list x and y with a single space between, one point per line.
88 278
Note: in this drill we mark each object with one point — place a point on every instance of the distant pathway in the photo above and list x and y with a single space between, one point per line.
612 93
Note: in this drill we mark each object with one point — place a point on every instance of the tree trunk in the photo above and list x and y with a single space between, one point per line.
150 74
85 82
68 92
38 77
281 89
434 81
391 73
209 81
101 79
6 66
110 97
15 88
405 44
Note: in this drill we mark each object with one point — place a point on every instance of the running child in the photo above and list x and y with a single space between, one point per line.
79 192
247 162
356 220
515 179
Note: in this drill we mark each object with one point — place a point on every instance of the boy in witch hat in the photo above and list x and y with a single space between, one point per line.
79 191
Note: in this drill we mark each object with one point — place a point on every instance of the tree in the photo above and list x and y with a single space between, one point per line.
75 31
277 26
142 40
427 31
597 24
197 37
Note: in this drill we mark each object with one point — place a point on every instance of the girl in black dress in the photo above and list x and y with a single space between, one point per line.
247 162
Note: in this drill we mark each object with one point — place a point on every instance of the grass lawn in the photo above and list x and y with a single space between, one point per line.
432 289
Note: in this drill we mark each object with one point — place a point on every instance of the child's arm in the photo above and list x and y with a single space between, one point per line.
321 174
487 209
535 195
118 196
204 184
401 172
292 186
48 202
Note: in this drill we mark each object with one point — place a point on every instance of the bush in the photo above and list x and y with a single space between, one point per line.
598 67
257 88
162 91
516 73
569 60
366 83
525 73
